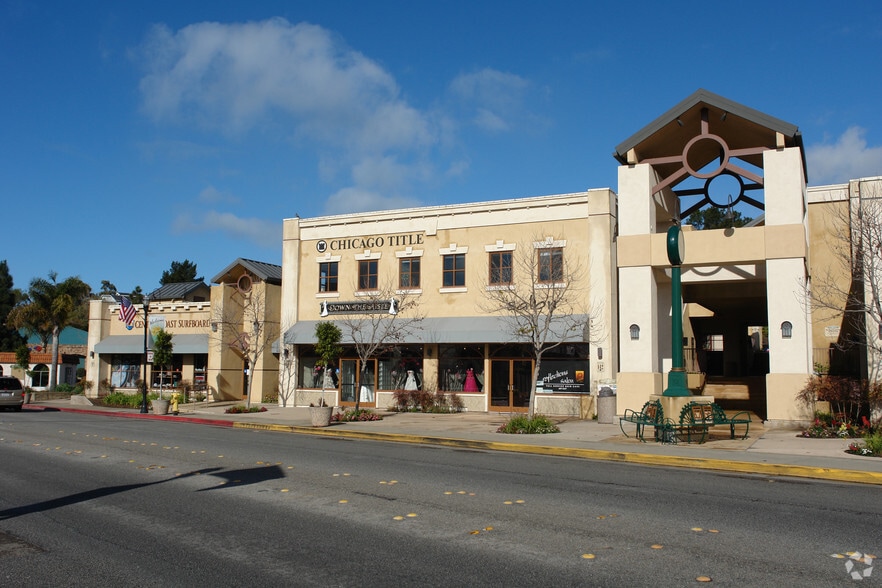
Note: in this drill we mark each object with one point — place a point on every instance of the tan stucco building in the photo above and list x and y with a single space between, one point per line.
749 332
750 337
213 336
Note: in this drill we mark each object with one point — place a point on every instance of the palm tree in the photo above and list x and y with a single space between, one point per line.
49 307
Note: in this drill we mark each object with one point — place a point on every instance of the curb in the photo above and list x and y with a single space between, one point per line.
699 463
133 415
743 467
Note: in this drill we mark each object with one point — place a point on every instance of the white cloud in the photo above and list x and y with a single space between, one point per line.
497 99
212 195
259 231
269 75
847 159
233 77
355 199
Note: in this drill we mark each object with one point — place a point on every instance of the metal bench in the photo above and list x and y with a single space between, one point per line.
697 417
651 415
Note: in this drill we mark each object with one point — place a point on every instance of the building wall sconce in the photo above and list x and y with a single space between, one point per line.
91 355
286 352
214 327
635 332
429 351
786 330
600 353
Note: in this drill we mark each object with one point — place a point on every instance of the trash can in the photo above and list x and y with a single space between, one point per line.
606 406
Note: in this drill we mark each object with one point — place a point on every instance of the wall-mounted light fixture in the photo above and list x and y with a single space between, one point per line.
429 351
635 332
600 353
214 327
286 353
91 355
786 330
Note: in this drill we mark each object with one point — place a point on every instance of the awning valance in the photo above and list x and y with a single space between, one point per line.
471 329
189 343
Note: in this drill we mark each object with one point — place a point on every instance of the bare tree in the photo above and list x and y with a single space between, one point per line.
539 296
380 321
851 287
287 367
243 326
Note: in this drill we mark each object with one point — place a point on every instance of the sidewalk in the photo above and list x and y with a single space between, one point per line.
765 451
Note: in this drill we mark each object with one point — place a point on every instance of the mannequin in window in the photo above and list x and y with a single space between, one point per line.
471 384
411 381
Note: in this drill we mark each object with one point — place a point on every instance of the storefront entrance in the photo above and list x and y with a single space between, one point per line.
349 369
510 382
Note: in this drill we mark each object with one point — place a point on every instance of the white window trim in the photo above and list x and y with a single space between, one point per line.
453 289
500 246
328 295
406 291
329 259
547 285
550 243
368 255
453 250
409 252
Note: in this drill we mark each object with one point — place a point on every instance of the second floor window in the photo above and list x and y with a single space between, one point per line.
367 274
454 270
328 276
409 272
500 268
551 265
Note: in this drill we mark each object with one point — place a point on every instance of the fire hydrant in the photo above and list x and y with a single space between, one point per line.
174 403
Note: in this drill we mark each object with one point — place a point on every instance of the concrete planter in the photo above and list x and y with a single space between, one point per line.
159 406
320 415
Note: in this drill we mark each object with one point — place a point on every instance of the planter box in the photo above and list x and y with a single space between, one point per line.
320 415
159 406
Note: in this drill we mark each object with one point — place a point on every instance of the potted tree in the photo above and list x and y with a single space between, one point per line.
162 357
328 348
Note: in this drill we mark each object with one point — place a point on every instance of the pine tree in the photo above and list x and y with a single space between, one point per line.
10 339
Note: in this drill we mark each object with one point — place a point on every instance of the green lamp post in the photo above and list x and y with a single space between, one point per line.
677 376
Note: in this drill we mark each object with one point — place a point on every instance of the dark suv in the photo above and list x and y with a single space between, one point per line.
11 392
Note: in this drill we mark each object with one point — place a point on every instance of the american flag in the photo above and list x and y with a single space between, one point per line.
127 311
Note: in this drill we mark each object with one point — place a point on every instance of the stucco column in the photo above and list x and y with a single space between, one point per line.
789 356
603 303
639 373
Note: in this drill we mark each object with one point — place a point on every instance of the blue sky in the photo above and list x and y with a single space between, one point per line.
135 134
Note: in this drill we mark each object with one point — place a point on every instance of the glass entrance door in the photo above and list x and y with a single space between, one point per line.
349 387
510 381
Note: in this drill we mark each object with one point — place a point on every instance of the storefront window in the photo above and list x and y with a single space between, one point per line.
401 369
168 376
460 368
200 365
40 376
125 370
565 369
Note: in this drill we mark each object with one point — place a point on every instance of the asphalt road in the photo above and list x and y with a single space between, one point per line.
90 501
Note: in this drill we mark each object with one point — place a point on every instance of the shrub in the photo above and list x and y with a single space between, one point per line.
848 397
521 424
872 446
241 408
125 399
64 388
362 414
425 401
